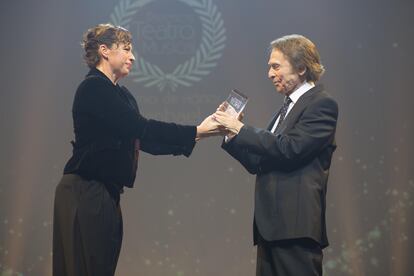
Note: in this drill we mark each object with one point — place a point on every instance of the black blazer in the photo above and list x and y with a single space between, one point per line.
107 124
292 168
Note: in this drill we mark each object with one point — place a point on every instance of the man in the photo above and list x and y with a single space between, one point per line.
291 159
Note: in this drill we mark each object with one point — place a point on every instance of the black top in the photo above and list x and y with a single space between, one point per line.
108 127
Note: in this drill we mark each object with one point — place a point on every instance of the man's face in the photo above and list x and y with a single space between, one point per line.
121 58
282 74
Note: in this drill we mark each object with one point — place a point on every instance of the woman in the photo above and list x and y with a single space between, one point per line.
109 132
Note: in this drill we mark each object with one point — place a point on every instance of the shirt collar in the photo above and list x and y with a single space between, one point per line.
305 87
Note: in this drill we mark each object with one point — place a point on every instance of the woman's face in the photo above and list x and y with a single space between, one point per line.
120 59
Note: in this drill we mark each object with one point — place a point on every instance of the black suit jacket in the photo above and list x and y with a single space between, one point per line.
292 168
107 125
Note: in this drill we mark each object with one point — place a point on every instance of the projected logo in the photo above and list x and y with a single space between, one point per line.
179 42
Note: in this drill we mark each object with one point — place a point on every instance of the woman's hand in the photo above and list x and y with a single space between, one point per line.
209 127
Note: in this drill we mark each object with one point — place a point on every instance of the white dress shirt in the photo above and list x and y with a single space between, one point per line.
305 87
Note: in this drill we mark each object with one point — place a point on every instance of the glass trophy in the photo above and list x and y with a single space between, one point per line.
236 102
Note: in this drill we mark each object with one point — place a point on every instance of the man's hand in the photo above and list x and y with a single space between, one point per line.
230 135
223 106
228 121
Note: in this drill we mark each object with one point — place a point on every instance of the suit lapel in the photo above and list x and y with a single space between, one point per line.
272 122
297 109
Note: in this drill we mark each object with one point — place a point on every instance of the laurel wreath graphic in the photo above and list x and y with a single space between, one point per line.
205 59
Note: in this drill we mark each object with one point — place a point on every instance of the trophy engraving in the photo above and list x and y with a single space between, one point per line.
236 102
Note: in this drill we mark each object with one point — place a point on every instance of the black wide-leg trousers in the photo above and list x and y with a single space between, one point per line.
87 228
